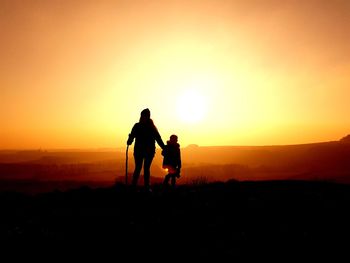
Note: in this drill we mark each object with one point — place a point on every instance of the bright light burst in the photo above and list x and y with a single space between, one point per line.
191 106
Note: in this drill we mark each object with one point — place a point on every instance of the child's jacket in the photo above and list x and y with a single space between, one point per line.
172 157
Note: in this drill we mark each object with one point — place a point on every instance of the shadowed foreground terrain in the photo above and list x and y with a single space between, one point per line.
279 219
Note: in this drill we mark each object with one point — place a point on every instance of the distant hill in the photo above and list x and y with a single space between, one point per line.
326 161
346 139
59 157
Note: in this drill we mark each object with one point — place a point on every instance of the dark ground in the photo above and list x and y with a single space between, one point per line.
281 220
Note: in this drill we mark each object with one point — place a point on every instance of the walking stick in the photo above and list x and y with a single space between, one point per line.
126 166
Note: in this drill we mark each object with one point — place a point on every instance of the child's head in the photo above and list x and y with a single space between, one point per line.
173 138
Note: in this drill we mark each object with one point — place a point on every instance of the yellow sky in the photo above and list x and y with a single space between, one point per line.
77 74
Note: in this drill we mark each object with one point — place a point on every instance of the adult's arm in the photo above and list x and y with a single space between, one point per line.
158 138
132 135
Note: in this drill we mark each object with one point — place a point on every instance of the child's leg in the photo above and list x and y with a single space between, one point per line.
173 180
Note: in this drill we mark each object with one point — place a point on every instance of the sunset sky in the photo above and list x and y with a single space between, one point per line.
76 74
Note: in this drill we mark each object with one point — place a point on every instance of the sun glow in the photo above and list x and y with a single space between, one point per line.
212 72
191 106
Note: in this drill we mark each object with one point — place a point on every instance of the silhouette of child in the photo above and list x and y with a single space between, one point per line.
172 160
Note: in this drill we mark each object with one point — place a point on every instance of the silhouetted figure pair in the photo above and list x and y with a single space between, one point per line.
172 160
145 134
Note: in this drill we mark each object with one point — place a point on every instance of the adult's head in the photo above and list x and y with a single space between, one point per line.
145 115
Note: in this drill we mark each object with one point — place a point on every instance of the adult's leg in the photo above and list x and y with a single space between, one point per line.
138 166
146 170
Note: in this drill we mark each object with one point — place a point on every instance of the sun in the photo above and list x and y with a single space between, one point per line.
191 106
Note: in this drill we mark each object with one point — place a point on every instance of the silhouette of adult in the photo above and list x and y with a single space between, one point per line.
145 134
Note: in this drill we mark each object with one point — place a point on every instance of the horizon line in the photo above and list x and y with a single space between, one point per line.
123 148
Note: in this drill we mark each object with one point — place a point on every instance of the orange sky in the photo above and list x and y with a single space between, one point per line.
76 74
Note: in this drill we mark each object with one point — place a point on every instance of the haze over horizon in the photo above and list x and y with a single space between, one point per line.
122 148
76 74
